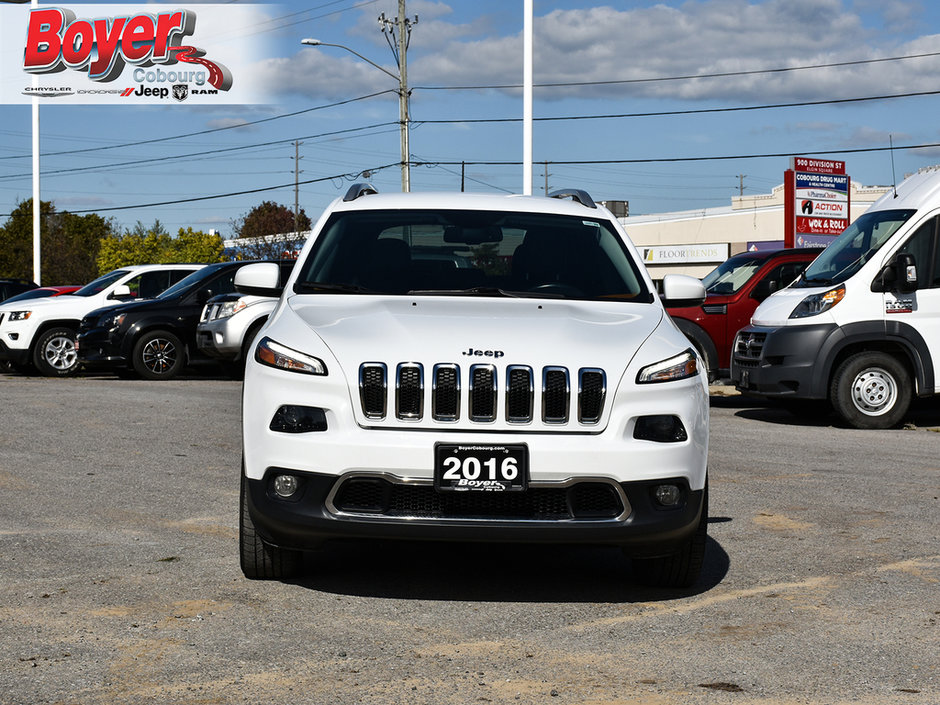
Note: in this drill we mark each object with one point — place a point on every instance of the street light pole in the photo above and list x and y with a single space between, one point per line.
400 30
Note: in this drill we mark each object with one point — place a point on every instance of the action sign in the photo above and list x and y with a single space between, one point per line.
817 200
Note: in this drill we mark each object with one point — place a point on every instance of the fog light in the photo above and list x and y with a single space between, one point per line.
663 429
667 495
285 485
298 419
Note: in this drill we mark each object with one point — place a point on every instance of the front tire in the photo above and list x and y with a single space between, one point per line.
682 568
158 355
259 559
871 390
55 354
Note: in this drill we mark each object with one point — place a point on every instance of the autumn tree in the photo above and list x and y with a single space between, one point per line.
69 244
271 231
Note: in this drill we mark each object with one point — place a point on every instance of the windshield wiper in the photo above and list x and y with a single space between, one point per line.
314 287
485 291
816 280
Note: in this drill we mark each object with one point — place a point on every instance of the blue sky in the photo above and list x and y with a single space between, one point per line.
624 59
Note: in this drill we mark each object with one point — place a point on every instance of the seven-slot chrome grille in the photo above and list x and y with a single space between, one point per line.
524 395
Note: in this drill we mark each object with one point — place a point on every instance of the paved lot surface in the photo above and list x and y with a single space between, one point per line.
119 579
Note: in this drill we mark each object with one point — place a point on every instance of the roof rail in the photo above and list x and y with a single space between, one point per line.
576 194
359 189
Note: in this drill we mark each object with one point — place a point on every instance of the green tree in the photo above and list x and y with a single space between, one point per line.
69 244
154 245
267 220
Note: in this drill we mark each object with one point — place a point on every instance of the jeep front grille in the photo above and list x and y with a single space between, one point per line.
487 390
373 387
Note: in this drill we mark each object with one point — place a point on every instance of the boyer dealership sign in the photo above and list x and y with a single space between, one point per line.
121 54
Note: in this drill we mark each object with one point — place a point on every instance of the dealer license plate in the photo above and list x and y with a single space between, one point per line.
481 468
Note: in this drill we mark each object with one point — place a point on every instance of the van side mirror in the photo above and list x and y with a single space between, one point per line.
900 275
764 288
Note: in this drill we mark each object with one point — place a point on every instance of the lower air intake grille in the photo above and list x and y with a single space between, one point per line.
587 500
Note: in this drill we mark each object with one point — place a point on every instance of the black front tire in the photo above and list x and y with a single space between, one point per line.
158 354
259 559
682 568
55 354
871 390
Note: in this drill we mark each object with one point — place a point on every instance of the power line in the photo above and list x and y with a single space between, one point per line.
137 162
689 77
694 111
202 132
583 162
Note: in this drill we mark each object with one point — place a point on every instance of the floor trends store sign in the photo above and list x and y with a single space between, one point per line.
816 202
121 54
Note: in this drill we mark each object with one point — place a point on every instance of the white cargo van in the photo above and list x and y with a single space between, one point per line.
860 329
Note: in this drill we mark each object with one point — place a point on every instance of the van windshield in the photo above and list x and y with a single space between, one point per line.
853 248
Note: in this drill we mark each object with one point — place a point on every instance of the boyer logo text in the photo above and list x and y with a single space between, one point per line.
56 40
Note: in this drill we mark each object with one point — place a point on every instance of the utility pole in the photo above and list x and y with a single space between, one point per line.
546 177
297 159
463 175
741 184
398 35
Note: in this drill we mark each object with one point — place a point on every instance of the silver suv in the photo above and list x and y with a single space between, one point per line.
229 322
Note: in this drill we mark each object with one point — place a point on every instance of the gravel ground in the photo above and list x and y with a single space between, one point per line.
119 578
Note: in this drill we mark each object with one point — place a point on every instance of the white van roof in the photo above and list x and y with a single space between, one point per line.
920 190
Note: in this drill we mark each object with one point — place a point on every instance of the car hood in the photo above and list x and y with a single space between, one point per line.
477 330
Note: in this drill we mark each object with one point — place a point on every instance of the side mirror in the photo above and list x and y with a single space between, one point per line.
765 288
900 275
262 279
680 291
121 292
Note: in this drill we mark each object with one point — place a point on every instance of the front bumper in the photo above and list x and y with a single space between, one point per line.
781 362
18 356
325 508
99 347
215 340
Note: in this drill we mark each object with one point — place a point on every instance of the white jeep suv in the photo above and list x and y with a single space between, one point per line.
41 332
478 368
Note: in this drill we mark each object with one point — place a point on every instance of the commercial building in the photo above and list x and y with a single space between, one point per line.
694 242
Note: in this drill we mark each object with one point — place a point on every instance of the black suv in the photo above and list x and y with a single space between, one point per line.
12 287
155 339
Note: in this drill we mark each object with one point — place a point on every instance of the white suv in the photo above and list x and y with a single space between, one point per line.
473 367
42 332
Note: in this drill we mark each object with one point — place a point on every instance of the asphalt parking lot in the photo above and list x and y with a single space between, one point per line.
119 578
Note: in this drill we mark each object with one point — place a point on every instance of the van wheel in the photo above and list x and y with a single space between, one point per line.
871 390
259 559
682 568
158 355
55 355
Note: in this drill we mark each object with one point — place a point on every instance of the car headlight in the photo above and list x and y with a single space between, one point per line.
680 366
113 321
814 304
230 308
276 355
19 315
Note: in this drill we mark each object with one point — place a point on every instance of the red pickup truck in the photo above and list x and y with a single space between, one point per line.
734 289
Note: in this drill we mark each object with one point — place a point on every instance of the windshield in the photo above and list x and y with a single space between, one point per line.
101 283
729 276
477 253
853 248
186 282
